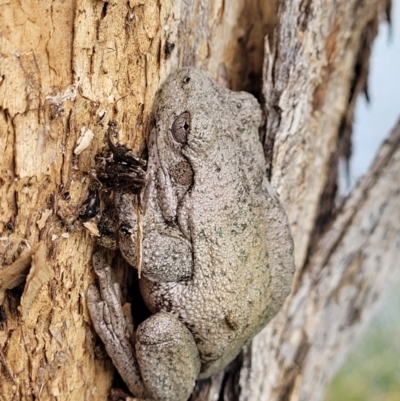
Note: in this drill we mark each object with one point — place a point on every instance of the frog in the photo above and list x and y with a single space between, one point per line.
216 252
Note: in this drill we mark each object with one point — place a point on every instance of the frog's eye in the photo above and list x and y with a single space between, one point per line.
181 127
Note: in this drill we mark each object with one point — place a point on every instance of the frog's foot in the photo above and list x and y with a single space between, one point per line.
109 322
168 357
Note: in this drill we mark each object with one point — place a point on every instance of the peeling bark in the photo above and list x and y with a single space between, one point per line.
68 68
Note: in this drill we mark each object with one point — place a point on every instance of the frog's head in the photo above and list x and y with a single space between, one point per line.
184 110
198 125
184 134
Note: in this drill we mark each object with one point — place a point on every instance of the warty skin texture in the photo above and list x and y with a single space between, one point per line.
217 249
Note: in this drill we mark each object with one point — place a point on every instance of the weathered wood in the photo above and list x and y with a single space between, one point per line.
68 68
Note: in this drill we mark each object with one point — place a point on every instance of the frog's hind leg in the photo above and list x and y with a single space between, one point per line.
168 357
166 362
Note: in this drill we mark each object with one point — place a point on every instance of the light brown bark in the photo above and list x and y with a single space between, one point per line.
67 68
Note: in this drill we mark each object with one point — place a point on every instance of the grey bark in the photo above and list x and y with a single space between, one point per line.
68 68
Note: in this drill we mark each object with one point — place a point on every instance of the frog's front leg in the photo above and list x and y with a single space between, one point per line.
167 254
165 362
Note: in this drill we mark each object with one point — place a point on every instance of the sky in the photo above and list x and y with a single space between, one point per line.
374 121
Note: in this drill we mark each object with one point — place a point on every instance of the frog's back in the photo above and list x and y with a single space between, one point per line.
241 246
243 266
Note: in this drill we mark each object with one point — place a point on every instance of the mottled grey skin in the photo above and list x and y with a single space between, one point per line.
217 250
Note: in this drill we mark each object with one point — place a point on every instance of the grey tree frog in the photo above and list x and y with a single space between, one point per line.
217 250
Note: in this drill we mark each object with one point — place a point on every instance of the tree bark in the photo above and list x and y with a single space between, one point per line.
68 68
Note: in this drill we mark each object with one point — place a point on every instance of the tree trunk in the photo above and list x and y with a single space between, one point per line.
68 68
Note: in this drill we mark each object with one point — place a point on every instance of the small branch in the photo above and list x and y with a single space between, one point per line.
356 200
